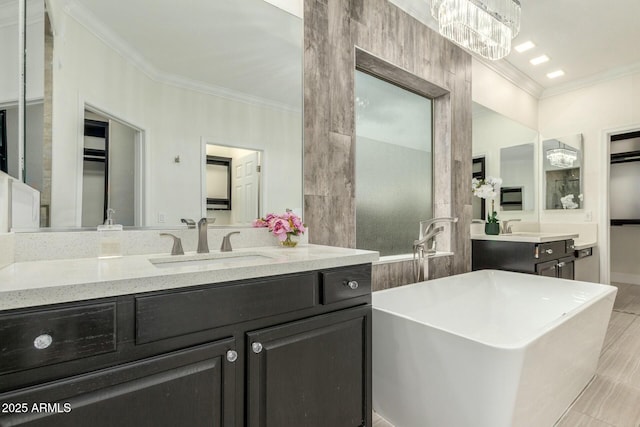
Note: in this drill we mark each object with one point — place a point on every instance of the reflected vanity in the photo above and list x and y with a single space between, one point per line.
504 148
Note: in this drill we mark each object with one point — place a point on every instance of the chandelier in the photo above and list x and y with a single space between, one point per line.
561 157
485 27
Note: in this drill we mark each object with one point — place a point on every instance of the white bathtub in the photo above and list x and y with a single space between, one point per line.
486 349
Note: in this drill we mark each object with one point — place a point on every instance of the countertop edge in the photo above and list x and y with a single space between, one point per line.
34 296
524 239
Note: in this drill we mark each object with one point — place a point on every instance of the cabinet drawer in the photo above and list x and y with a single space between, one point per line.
174 314
51 336
550 250
345 283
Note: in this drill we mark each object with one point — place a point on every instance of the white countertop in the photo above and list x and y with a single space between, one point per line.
527 237
34 283
580 244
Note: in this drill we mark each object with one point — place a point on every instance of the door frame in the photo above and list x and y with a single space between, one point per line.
604 224
142 176
262 155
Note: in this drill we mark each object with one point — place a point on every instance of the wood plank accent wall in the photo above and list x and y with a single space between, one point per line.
334 30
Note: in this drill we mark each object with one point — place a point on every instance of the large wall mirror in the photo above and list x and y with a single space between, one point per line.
562 168
158 82
506 149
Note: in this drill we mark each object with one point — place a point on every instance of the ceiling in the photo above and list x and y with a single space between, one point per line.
251 47
590 40
246 48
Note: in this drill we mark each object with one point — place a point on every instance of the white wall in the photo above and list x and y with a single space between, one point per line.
500 95
174 121
9 70
4 203
596 111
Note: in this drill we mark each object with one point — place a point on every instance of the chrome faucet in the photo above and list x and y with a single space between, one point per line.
424 242
203 243
190 223
226 242
425 247
506 227
426 226
177 244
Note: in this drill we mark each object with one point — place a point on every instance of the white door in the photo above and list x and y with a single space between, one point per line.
246 184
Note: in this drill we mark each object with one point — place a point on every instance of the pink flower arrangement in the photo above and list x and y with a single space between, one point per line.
282 226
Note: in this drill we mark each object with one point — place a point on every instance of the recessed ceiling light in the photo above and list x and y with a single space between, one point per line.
554 74
522 47
539 59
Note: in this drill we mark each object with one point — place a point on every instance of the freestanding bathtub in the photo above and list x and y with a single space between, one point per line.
486 349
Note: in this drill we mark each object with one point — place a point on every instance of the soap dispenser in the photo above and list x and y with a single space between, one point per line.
109 238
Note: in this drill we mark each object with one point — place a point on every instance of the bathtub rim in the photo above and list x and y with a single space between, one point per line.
519 344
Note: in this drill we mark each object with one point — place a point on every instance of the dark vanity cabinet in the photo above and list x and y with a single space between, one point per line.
290 350
551 259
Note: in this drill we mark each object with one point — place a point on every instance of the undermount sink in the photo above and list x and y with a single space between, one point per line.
208 259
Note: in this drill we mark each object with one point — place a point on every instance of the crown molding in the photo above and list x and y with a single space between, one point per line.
599 78
506 70
90 22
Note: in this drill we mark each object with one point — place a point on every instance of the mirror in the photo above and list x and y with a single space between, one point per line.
213 71
11 37
518 177
562 167
505 148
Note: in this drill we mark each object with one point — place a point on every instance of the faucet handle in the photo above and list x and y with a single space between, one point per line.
190 223
226 242
177 244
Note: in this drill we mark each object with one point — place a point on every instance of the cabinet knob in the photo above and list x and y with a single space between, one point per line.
549 251
232 356
352 284
561 264
42 341
256 347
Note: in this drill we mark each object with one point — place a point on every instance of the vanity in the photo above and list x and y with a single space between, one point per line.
544 254
277 337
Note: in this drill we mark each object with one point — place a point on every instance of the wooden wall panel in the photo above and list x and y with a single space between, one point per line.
333 31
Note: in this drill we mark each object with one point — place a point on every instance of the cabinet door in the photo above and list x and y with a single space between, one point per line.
312 373
566 268
549 269
192 387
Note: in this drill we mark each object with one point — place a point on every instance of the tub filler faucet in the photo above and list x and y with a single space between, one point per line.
425 247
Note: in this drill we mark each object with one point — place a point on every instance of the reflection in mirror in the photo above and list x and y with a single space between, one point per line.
232 182
518 174
111 152
508 149
216 71
562 160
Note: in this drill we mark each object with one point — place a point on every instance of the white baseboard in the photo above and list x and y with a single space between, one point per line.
633 279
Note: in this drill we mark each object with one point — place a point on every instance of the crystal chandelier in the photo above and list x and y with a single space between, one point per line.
561 157
485 27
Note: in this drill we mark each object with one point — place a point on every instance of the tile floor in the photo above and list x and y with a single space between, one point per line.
613 397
